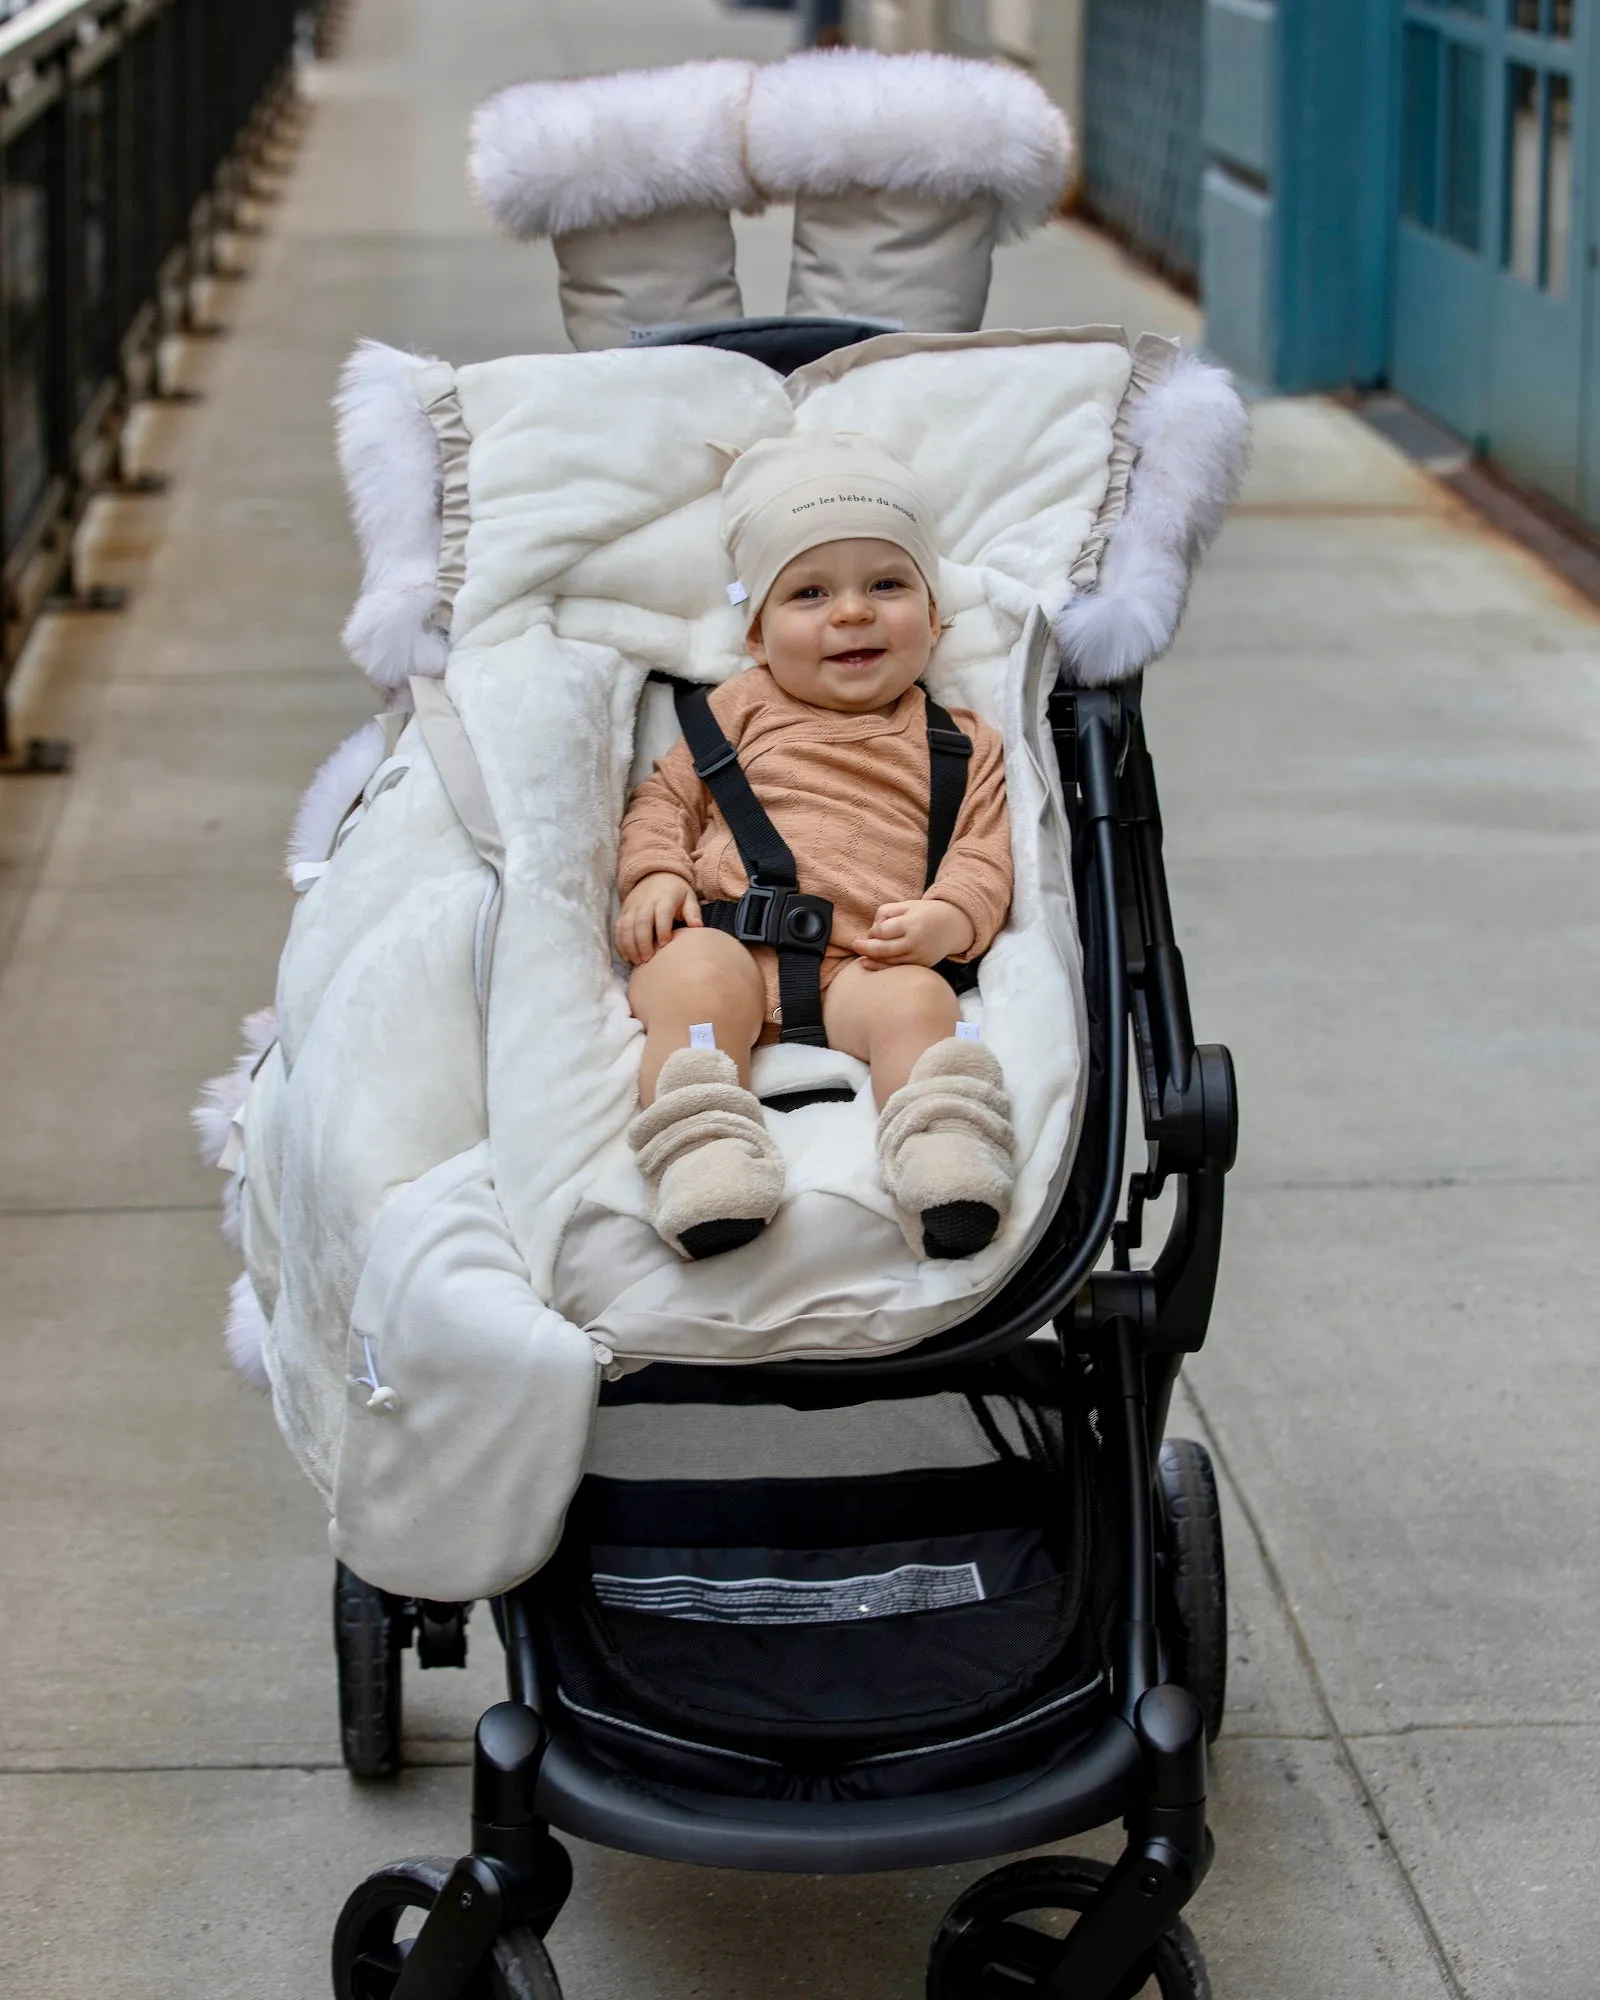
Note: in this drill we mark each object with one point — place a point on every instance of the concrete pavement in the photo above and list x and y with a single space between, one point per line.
1379 747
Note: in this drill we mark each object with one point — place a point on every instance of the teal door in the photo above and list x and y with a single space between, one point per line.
1491 273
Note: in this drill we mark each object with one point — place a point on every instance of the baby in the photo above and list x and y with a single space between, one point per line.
833 541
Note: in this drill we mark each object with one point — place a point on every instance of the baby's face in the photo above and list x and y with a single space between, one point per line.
849 625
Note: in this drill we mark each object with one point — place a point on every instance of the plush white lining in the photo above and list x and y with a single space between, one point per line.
390 458
550 158
339 782
1191 436
834 121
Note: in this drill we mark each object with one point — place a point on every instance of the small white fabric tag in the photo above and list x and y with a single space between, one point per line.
968 1031
737 593
701 1036
304 873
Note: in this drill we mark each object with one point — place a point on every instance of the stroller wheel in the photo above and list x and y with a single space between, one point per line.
379 1920
368 1634
1195 1577
1002 1937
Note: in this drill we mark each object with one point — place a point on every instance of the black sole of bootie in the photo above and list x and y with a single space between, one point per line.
958 1228
710 1239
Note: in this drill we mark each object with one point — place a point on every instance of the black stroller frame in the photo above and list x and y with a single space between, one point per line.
1126 1331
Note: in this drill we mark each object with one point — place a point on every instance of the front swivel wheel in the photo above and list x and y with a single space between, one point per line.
379 1923
1002 1938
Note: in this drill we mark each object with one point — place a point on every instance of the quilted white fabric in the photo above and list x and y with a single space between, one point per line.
441 1218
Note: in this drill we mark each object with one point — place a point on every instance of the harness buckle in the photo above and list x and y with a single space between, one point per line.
786 918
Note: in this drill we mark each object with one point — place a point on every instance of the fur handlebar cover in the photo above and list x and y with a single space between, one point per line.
551 158
593 152
951 128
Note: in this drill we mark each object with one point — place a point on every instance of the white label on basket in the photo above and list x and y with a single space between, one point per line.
703 1035
782 1600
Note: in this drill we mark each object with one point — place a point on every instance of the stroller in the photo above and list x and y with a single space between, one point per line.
917 1584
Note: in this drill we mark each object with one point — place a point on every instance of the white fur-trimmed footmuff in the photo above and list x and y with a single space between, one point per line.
443 1227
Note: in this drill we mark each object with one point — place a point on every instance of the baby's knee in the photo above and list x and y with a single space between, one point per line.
920 997
703 967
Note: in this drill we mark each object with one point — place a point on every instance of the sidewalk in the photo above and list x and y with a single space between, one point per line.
1379 747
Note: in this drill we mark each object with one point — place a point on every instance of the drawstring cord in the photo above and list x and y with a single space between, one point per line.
381 1399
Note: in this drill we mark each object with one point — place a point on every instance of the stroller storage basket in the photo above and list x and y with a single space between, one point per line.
881 1633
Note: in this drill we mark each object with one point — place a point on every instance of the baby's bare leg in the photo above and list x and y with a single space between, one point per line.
697 975
887 1017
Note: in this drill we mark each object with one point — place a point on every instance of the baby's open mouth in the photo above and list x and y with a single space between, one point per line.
862 656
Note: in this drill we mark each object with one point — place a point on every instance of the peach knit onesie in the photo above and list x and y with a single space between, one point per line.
849 794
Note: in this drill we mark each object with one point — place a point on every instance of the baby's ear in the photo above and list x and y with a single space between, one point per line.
754 644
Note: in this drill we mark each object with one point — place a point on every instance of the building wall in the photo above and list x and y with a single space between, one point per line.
1296 207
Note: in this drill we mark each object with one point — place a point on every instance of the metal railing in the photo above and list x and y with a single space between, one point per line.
129 133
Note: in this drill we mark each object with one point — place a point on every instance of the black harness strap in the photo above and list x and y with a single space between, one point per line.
774 910
949 754
762 848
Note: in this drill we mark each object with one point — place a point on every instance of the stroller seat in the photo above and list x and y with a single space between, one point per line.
444 1226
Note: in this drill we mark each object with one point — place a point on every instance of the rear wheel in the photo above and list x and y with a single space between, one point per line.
368 1634
1001 1940
379 1921
1194 1577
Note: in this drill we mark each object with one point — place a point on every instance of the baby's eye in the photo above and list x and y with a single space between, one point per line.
890 583
808 590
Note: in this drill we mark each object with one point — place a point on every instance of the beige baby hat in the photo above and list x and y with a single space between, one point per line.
632 176
905 171
786 495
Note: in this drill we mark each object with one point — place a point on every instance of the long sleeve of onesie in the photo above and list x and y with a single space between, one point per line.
665 818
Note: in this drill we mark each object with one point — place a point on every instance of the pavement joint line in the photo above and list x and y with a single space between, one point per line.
1424 1183
1324 1701
112 1208
306 1764
1467 1726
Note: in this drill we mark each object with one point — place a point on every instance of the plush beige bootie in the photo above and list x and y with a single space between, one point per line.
945 1146
632 177
904 171
714 1173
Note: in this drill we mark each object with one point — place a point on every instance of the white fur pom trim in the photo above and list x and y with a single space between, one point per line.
549 158
837 121
390 459
222 1099
340 781
1191 434
244 1331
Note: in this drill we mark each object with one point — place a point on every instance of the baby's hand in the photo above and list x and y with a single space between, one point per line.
648 914
919 933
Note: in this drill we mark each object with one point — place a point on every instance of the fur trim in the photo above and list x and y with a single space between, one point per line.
340 781
549 158
244 1330
838 121
1191 434
222 1099
390 460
